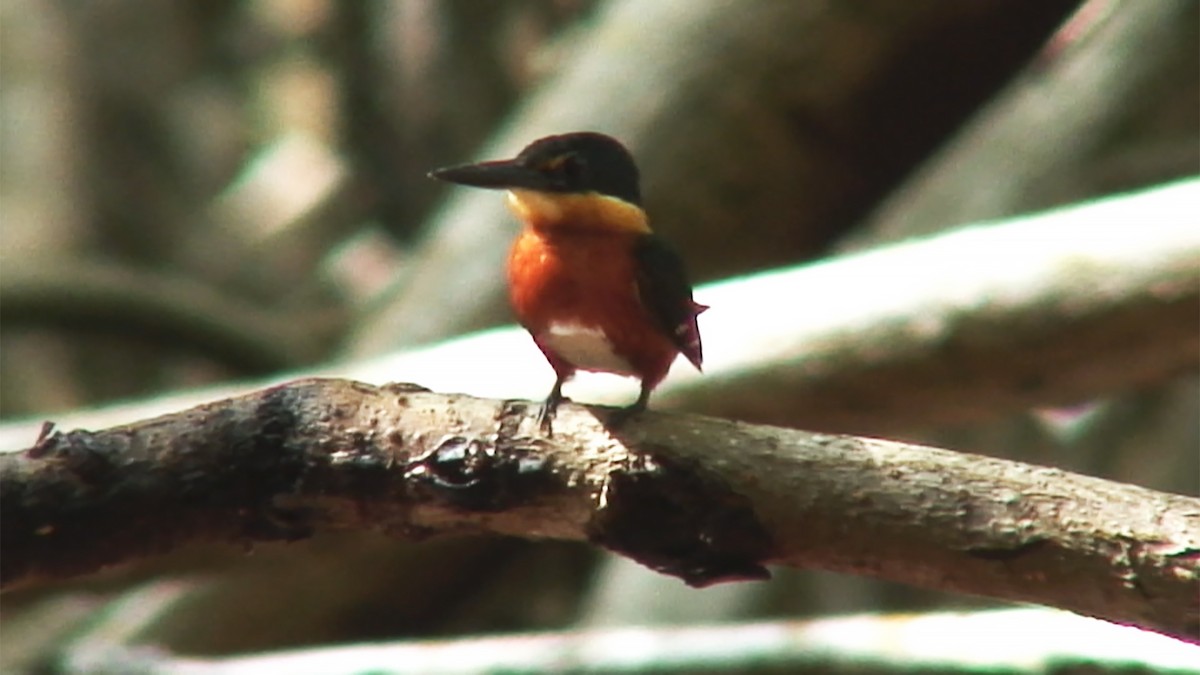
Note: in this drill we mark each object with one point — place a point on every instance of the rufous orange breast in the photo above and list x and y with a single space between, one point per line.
575 291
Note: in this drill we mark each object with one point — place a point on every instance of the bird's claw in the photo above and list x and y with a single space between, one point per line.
547 413
546 418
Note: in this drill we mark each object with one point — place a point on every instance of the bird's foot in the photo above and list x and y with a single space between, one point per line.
547 412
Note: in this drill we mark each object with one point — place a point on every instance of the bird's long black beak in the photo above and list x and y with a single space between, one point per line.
498 175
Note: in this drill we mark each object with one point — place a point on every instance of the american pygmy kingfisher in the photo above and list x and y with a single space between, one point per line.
587 278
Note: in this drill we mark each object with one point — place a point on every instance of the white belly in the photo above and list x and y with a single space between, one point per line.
585 347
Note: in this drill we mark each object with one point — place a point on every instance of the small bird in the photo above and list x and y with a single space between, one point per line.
594 286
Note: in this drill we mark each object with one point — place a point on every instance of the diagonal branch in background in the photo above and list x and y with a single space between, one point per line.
703 499
1048 309
1040 139
758 132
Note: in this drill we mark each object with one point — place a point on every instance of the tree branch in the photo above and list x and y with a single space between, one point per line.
1049 309
1040 135
89 296
1034 640
702 499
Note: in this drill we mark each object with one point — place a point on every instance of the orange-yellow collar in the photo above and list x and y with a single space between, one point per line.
588 211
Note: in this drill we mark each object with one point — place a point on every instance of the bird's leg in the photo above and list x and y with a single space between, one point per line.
550 407
623 415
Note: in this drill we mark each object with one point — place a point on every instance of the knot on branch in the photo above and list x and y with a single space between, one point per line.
674 518
476 474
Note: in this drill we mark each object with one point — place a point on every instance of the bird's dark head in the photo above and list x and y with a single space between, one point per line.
577 181
581 163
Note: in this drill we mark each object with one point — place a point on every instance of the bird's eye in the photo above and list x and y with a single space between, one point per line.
571 166
566 167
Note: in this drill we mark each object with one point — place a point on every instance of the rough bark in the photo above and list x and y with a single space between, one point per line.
703 499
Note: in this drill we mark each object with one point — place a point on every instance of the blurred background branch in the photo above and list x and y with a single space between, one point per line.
948 643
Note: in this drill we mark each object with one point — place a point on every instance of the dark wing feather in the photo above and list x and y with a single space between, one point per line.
665 291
